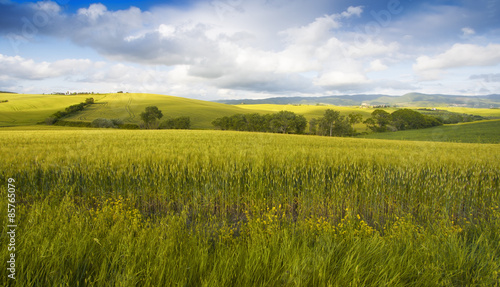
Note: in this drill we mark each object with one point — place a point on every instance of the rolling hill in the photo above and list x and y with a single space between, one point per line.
26 109
473 132
407 100
23 109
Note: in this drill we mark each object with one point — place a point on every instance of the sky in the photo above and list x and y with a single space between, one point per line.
251 49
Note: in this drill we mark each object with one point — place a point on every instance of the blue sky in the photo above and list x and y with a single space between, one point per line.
229 49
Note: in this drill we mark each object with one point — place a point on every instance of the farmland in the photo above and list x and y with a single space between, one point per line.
24 109
473 132
218 208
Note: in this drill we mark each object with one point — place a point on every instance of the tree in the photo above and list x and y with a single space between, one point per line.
327 123
89 101
299 124
282 121
379 121
151 116
313 126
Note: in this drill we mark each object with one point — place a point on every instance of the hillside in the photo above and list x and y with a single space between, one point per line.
407 100
474 132
24 109
28 109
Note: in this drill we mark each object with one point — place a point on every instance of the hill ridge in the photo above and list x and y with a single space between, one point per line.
406 100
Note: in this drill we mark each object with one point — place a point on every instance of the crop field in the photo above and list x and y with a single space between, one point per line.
216 208
472 132
26 109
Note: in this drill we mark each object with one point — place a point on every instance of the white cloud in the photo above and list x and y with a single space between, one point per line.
340 80
93 12
377 66
468 32
459 55
19 68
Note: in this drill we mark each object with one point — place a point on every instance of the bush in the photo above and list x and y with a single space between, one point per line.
50 121
102 123
129 126
72 124
117 122
177 123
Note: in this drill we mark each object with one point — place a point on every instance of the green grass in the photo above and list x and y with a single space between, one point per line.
473 132
24 109
27 109
128 107
216 208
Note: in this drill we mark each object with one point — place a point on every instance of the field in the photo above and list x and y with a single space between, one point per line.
26 109
214 208
473 132
30 109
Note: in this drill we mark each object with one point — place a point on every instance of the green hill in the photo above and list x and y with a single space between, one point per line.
22 109
27 109
474 132
407 100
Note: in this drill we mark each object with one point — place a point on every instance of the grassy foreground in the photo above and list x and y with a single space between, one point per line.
212 208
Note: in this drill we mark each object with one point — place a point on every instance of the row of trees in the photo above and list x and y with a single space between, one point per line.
283 122
334 124
331 124
404 119
68 111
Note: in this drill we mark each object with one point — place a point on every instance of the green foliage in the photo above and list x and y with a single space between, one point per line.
72 124
176 123
379 121
402 119
284 122
50 120
89 101
151 116
211 208
335 124
103 123
476 132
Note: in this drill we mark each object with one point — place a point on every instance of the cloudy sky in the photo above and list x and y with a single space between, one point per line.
228 49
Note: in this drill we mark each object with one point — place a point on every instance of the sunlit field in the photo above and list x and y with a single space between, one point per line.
214 208
473 132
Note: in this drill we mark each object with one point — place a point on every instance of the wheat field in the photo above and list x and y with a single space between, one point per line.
216 208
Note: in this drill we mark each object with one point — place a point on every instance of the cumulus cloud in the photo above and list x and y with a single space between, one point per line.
19 68
256 47
459 55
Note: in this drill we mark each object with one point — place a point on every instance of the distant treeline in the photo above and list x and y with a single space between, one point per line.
283 122
449 117
286 122
331 124
404 119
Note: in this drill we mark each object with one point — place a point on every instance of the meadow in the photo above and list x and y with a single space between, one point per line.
217 208
472 132
26 109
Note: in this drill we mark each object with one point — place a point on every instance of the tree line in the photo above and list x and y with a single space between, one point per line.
286 122
282 122
403 119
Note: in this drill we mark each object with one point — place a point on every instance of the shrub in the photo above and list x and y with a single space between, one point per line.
117 122
50 121
102 123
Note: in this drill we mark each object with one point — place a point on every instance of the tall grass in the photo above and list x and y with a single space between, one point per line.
211 208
